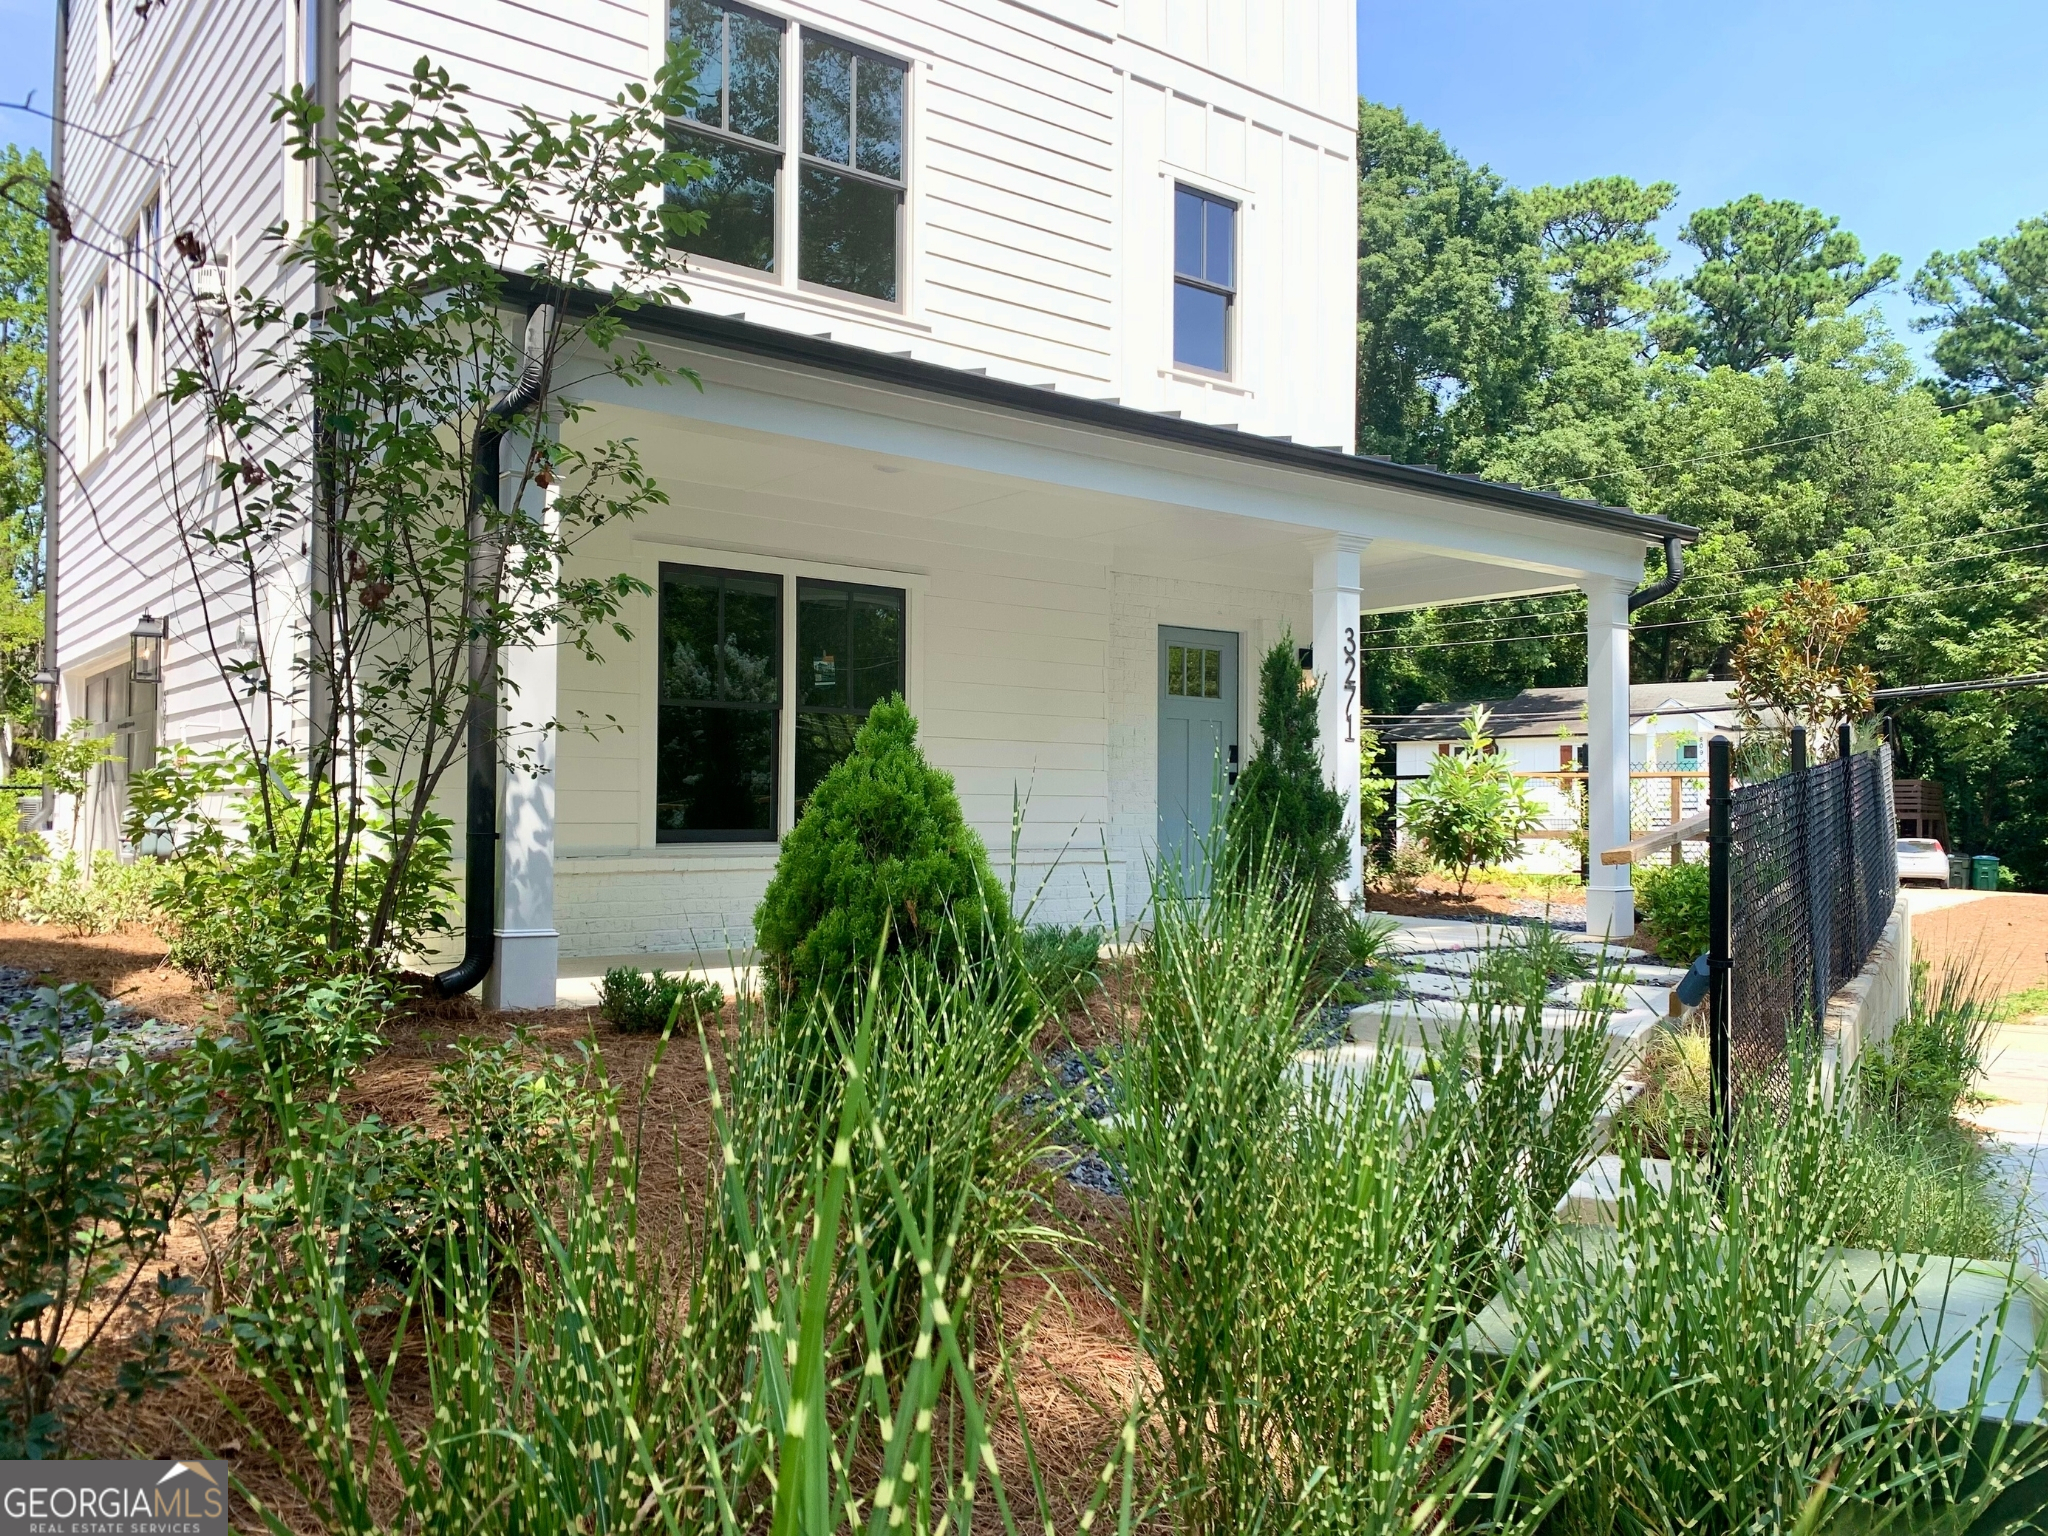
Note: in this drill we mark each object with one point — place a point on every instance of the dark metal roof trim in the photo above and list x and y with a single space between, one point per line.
727 333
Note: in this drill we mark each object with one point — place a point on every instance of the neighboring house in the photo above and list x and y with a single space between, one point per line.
1543 733
1036 404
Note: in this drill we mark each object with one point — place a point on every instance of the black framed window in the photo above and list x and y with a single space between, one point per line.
735 124
720 698
1204 279
849 657
850 188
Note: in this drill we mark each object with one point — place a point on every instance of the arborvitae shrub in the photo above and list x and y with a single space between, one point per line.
881 840
1282 798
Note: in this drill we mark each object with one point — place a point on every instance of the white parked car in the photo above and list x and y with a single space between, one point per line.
1922 858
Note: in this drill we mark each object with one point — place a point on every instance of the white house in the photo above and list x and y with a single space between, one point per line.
1543 733
1059 454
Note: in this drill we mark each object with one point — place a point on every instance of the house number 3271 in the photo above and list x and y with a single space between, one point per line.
1350 683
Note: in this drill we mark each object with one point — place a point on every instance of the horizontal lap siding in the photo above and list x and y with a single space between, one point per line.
191 91
1010 662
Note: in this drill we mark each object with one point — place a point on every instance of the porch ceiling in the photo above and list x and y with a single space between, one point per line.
784 483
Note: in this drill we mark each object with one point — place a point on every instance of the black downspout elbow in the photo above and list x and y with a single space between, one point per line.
480 855
1674 573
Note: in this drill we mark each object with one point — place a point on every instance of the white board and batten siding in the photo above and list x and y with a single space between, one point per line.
1045 141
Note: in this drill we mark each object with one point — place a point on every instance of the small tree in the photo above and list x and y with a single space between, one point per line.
1473 809
882 846
454 288
1790 660
1283 805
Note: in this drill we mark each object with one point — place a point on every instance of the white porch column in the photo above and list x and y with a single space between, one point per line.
1610 901
529 947
1334 613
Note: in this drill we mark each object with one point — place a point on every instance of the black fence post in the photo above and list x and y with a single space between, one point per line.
1720 962
1817 942
1847 923
1799 749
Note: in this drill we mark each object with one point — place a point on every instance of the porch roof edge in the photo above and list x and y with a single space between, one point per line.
726 333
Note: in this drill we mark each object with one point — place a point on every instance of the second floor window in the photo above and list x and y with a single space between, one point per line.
1204 279
848 166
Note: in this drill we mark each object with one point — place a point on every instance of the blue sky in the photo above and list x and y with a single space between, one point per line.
1921 124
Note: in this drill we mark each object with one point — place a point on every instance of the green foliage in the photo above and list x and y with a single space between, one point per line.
1063 962
1926 1073
646 1002
600 1391
1523 964
23 860
1991 307
1283 813
99 1149
1671 902
1768 269
98 898
1305 1241
1756 400
251 889
1452 302
1748 1416
1473 808
24 330
882 851
1597 247
368 423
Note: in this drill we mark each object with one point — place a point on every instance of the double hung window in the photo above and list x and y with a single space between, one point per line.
1204 279
849 162
722 733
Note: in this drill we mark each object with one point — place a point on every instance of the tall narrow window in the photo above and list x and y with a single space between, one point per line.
850 201
849 657
140 375
720 704
88 326
735 123
1204 279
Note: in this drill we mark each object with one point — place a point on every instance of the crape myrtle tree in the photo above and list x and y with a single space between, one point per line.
342 445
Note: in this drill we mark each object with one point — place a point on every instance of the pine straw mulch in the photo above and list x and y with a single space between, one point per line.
1075 1364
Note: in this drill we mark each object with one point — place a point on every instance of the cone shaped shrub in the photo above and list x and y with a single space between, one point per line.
881 841
1283 807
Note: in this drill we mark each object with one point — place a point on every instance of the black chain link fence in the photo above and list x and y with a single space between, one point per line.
1813 873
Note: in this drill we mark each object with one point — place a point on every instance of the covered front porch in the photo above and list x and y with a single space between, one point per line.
1073 598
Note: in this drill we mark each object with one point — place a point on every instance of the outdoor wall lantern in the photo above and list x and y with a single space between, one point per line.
146 649
46 701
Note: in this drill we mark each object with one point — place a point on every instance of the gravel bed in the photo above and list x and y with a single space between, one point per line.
125 1029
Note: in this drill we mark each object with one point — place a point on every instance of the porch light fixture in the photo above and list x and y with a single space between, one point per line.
146 649
46 702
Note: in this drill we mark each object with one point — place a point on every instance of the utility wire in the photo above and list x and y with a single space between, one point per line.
1930 565
1712 618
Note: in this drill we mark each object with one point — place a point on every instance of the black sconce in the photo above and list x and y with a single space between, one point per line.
146 650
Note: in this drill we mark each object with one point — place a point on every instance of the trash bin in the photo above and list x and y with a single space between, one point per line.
1984 872
1959 871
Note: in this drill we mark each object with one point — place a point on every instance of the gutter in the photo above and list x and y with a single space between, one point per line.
725 333
53 390
480 838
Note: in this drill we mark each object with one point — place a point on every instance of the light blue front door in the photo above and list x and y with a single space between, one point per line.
1198 745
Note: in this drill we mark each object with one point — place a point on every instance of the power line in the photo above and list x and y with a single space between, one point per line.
1741 570
1977 685
1574 634
1931 565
